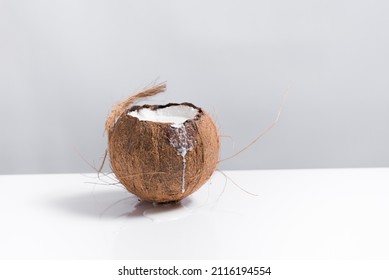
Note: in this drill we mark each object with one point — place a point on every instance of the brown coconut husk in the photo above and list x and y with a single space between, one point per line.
144 155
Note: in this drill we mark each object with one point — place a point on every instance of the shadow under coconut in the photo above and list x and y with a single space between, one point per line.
121 204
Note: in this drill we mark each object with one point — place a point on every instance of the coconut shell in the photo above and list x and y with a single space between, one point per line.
145 156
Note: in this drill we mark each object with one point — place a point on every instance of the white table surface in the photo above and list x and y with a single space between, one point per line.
298 214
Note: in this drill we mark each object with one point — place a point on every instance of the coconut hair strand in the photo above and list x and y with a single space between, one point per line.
263 133
122 106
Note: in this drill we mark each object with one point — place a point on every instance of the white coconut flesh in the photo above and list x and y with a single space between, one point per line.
175 115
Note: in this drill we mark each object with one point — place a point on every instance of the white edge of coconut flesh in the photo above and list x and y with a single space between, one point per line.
176 115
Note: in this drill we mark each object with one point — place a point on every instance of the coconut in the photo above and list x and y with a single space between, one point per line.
161 153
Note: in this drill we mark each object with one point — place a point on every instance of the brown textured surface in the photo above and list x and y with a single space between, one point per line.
146 163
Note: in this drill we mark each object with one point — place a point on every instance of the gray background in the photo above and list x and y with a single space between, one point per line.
63 64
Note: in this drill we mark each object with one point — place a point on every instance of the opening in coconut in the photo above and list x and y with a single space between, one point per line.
175 114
